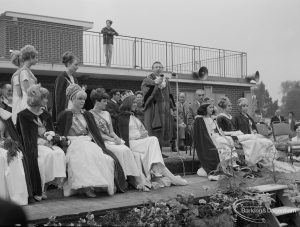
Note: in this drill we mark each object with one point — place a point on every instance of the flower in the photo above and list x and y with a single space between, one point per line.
49 137
202 201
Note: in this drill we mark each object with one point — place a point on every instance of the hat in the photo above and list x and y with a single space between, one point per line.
72 90
126 94
242 101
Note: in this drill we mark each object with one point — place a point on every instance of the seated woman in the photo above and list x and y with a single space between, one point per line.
90 164
112 141
256 147
145 148
212 146
46 162
13 185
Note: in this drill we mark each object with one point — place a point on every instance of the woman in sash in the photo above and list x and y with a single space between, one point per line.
46 163
90 164
145 148
112 141
62 82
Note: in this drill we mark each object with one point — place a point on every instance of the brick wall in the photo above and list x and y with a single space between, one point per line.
50 39
232 92
3 38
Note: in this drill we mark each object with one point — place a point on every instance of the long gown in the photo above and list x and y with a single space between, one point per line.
25 74
16 102
88 166
146 150
122 152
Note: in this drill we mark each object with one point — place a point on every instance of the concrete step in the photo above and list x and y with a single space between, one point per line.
284 210
269 187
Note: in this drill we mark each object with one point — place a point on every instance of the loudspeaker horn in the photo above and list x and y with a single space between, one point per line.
202 74
253 78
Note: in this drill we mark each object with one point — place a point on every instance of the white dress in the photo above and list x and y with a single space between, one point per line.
122 152
51 160
147 150
87 165
26 74
12 179
16 100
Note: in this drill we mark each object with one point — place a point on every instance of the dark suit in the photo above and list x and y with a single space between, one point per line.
11 214
277 119
293 125
113 109
191 113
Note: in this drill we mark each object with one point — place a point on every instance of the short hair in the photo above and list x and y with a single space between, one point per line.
110 21
292 113
242 101
223 102
68 58
16 58
202 110
36 93
199 90
156 62
28 52
98 94
113 92
127 103
139 93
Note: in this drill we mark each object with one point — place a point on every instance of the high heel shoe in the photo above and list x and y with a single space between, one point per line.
37 198
89 193
143 187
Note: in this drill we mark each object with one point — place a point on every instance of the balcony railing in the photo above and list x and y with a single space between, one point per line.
140 53
128 52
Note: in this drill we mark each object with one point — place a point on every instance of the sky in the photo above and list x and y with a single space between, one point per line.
267 30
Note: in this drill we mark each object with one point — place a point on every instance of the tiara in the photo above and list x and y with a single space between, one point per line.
126 94
208 100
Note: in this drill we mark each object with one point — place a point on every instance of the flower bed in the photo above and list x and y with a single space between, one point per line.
215 210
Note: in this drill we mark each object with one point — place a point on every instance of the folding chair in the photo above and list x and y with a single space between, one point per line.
281 134
263 129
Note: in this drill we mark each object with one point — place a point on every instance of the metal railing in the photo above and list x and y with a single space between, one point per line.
52 40
140 53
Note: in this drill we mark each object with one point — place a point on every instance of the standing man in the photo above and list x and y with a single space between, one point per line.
192 111
108 41
158 119
292 122
182 120
113 108
277 118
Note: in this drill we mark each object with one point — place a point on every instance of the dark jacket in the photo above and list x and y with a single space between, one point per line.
205 148
64 123
60 101
11 214
123 121
6 107
29 133
108 35
191 113
241 123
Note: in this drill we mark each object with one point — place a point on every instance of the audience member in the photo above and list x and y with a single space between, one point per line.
62 82
139 109
90 164
113 108
292 122
182 120
112 141
16 59
108 41
46 162
277 118
27 79
6 97
158 119
146 148
193 108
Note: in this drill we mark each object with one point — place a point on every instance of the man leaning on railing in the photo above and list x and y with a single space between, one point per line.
108 40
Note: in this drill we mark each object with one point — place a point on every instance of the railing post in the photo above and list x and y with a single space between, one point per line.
134 53
224 63
100 51
242 65
166 56
141 53
246 64
172 63
219 62
194 59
